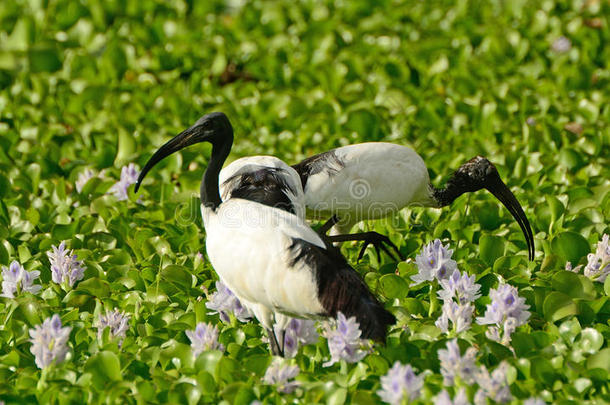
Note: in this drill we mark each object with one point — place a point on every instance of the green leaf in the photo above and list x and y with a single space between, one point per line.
557 306
570 246
178 275
44 60
600 360
393 286
104 366
574 285
491 247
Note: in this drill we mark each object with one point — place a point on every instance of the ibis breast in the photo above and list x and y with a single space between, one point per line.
366 181
249 247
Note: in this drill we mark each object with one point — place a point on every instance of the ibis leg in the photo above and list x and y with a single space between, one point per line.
328 224
274 343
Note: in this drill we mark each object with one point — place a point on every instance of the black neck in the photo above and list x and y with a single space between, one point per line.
446 195
209 191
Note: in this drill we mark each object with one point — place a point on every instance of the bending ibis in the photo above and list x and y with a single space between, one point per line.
270 258
375 179
270 181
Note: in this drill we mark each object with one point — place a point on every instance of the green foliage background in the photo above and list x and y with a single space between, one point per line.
100 84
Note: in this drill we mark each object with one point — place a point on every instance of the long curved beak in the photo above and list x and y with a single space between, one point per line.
497 187
185 138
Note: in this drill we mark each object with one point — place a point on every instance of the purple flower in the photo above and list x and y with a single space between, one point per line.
598 266
453 365
443 398
49 342
223 302
459 315
118 323
507 311
66 269
494 386
459 287
129 176
575 269
16 279
561 45
434 262
400 383
204 337
344 341
298 332
83 178
279 375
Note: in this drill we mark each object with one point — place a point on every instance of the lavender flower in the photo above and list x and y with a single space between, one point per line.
598 266
278 375
459 315
561 45
344 342
83 178
66 269
16 279
129 176
507 311
49 342
453 365
298 332
575 269
434 262
400 383
443 398
223 302
494 386
459 287
204 337
118 323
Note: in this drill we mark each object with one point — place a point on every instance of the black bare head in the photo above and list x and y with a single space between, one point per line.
479 173
214 128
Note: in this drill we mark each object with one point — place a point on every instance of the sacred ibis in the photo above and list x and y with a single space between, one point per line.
375 179
270 258
270 181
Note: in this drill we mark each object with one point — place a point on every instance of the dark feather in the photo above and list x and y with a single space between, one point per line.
340 288
316 164
265 186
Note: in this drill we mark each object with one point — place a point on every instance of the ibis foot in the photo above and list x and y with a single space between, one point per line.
376 239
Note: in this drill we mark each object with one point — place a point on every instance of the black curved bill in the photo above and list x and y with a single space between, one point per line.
506 197
185 138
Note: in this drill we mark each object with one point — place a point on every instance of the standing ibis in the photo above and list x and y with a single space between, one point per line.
375 179
270 258
270 181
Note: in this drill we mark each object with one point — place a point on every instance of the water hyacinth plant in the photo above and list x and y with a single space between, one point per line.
49 342
129 176
443 398
204 337
455 366
223 302
506 312
282 376
344 342
298 332
400 385
66 269
458 293
434 263
15 280
116 321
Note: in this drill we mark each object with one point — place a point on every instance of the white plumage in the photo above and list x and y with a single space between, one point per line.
376 179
